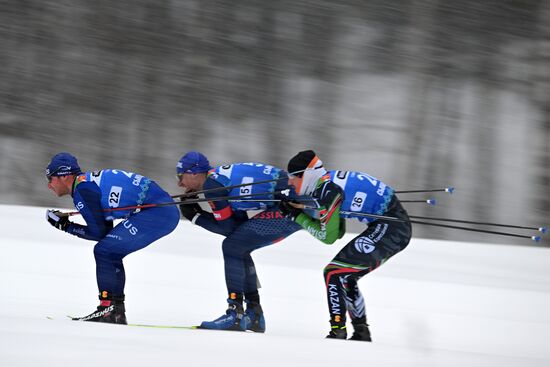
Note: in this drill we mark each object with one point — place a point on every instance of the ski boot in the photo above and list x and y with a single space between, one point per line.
232 320
110 310
338 328
254 318
360 330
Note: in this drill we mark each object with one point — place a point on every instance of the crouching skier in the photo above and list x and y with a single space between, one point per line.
338 195
93 193
242 235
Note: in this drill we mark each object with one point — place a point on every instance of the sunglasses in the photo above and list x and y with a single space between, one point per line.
66 170
51 175
297 175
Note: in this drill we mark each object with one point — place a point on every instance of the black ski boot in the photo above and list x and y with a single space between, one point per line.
338 328
360 330
111 310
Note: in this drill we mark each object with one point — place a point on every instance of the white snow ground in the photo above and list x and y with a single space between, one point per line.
435 304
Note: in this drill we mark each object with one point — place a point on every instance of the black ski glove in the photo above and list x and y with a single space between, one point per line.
288 211
190 210
58 219
285 195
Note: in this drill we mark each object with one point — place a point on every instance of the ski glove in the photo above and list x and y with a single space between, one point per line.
58 219
189 211
288 211
285 195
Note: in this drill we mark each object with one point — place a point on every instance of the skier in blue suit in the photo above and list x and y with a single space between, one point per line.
242 234
97 196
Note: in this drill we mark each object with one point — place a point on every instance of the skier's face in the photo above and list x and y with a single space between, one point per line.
60 185
190 182
295 181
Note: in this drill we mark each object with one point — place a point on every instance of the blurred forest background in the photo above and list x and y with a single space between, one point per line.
419 93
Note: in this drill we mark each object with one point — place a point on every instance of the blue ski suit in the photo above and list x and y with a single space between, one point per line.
95 195
230 219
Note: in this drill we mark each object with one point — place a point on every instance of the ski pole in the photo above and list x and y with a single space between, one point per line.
540 229
534 238
186 202
187 194
445 189
428 201
194 193
394 219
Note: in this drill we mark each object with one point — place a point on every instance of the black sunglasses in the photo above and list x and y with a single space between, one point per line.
50 175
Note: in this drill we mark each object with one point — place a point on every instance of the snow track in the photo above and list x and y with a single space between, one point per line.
435 304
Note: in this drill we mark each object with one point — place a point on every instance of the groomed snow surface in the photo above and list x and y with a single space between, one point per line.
436 303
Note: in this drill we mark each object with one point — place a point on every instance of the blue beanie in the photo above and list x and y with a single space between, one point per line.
193 162
63 164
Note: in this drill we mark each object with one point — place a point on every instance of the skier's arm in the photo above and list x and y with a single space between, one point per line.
327 227
87 199
221 220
